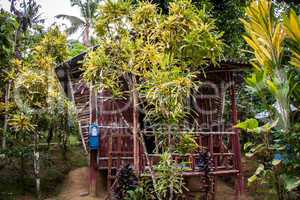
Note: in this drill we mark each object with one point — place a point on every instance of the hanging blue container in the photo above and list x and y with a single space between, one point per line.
278 156
94 137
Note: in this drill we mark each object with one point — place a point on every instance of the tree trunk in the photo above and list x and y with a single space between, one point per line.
86 35
7 96
170 143
36 164
22 164
65 132
152 173
135 128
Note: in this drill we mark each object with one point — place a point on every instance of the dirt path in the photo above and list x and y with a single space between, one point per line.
75 185
225 192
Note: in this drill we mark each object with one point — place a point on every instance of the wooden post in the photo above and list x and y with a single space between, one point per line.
93 153
135 128
239 183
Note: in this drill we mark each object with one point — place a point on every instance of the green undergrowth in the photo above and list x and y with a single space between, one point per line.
54 167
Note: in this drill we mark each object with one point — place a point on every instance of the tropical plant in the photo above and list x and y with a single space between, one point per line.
157 57
271 82
38 106
170 183
126 181
53 44
21 136
227 14
28 15
136 194
292 27
88 13
76 48
7 35
7 43
186 144
37 92
166 66
144 190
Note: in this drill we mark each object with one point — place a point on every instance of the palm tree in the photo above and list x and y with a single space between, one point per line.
28 15
88 13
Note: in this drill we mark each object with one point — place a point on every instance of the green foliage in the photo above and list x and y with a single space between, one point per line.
157 57
37 83
8 26
144 190
291 182
38 96
126 181
29 18
22 123
76 48
273 144
292 27
248 124
265 36
85 22
54 45
227 14
187 144
166 92
136 194
164 51
170 182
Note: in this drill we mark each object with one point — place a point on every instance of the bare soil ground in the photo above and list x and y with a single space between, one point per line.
225 192
76 184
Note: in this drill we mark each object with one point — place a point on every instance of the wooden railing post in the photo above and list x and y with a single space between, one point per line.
93 153
239 183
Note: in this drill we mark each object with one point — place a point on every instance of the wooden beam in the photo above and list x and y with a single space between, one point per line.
239 183
70 94
93 153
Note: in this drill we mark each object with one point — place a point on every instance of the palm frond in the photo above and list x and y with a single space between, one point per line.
73 29
76 22
73 19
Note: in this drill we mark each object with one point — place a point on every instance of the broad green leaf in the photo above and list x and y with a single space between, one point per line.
247 124
291 182
272 87
252 179
259 169
249 155
247 145
276 162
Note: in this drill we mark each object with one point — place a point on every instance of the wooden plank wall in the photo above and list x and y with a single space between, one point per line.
81 98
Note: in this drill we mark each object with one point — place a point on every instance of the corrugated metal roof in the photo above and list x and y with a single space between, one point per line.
230 64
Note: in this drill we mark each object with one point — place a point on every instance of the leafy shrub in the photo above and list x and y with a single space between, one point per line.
126 181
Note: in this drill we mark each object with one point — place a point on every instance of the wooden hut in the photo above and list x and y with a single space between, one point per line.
212 131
